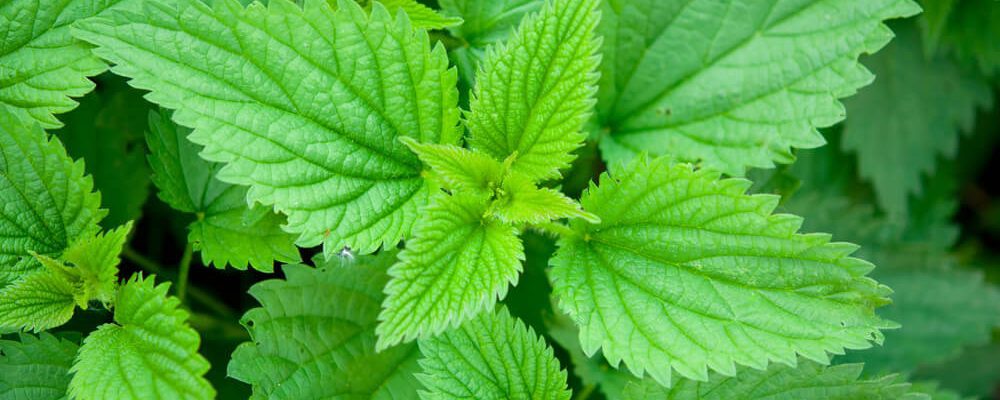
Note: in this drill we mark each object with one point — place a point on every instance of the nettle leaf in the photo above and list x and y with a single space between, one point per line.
457 265
493 356
970 33
48 203
149 353
459 168
535 91
314 336
35 368
912 114
305 106
225 230
39 301
806 381
523 202
732 84
106 131
685 272
41 64
93 268
420 15
486 23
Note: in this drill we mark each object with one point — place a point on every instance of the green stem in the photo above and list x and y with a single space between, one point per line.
555 229
585 393
201 296
184 268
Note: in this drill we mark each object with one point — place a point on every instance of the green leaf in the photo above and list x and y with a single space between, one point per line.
314 336
41 64
486 23
971 32
149 353
39 301
685 272
106 131
225 230
493 356
534 92
246 80
732 84
421 16
592 370
523 202
912 114
457 265
35 368
806 381
48 203
459 168
93 269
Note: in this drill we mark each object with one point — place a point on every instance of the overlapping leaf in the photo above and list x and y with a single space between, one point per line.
458 264
736 83
148 353
420 15
486 23
685 272
534 92
48 203
302 104
225 230
35 368
491 357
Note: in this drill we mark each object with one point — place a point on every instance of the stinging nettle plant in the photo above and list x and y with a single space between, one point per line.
288 125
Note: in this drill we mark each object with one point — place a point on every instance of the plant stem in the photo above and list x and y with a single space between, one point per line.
141 261
585 392
207 300
184 268
554 229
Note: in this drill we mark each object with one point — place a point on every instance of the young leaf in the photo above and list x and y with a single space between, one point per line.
314 336
459 168
41 64
421 16
493 356
911 114
94 260
150 353
523 202
534 92
35 368
732 83
486 23
305 106
225 230
457 265
685 272
41 300
806 381
48 203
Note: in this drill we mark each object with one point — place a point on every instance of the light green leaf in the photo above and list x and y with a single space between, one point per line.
592 370
732 84
225 231
685 272
35 368
459 168
534 92
806 381
487 23
421 16
106 132
912 114
149 353
48 203
41 64
491 357
523 202
457 265
304 106
41 300
314 336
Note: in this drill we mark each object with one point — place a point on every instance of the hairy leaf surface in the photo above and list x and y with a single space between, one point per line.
35 368
41 300
685 272
457 265
732 84
486 23
912 114
48 203
314 336
302 104
148 353
534 92
420 15
226 231
493 356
